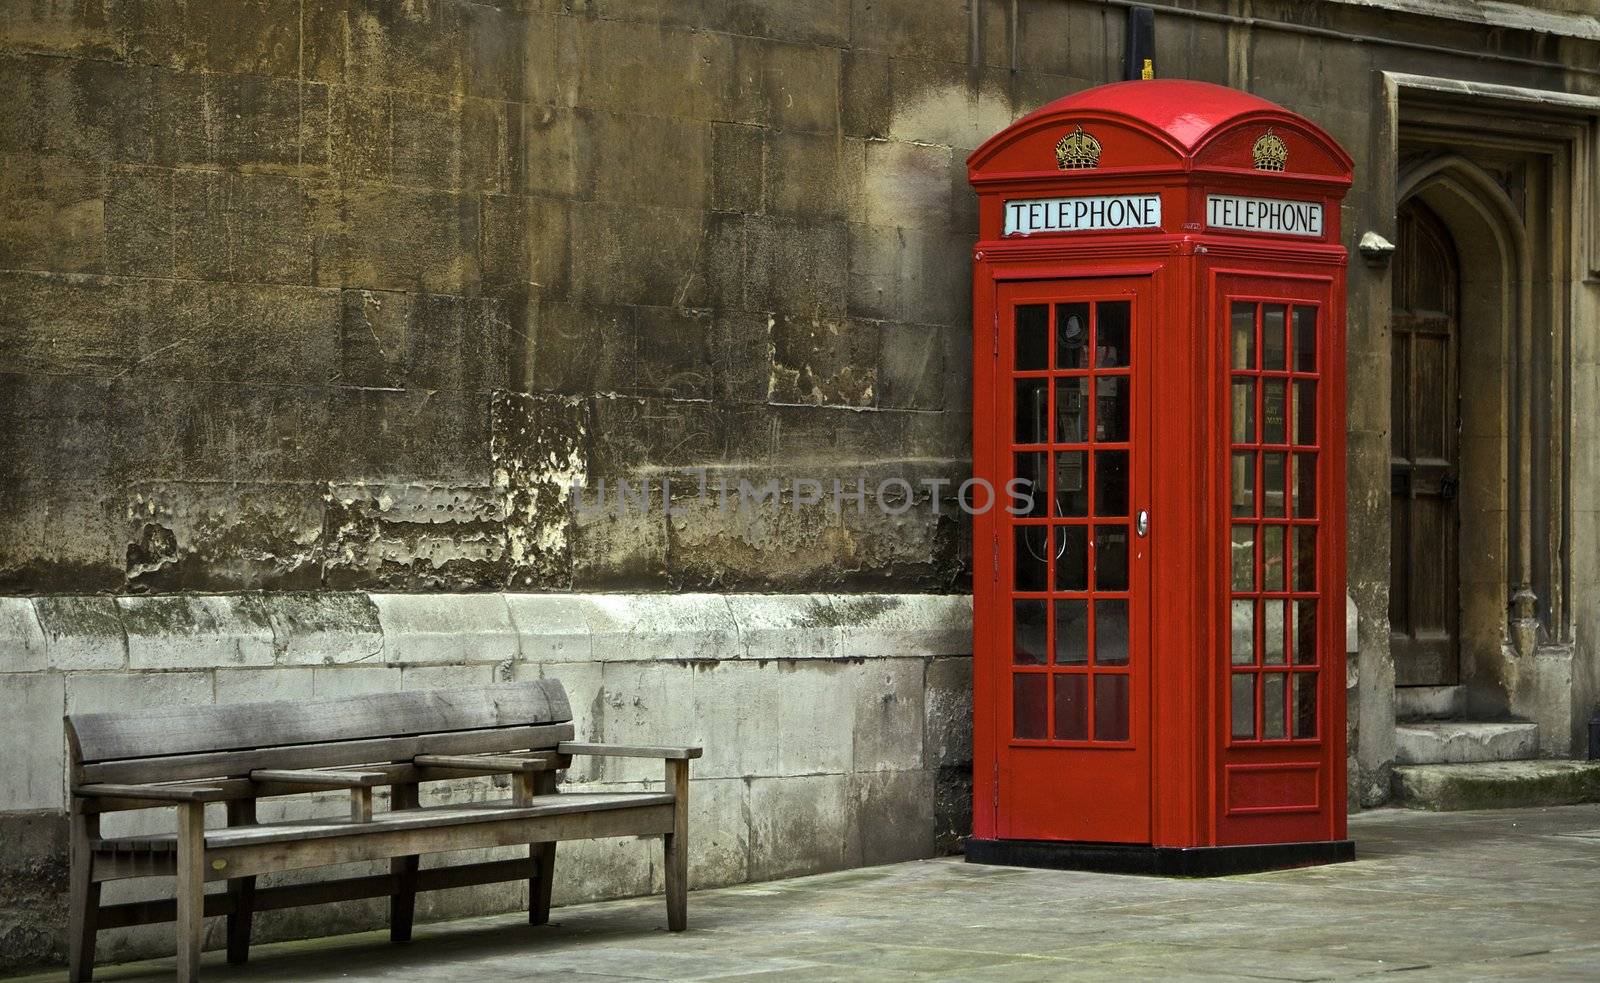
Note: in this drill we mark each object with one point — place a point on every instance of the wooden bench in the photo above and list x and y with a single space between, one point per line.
185 757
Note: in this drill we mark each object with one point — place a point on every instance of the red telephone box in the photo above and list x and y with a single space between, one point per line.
1158 311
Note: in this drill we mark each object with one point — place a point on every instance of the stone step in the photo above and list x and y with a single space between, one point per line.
1429 702
1496 785
1448 742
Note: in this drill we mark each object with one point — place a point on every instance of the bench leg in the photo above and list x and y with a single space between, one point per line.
544 855
191 889
675 846
84 903
241 812
403 902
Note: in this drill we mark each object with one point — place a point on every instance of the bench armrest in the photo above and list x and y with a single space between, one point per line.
321 779
489 763
157 793
629 751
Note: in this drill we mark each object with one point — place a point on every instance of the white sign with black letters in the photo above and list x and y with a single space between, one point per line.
1295 218
1096 214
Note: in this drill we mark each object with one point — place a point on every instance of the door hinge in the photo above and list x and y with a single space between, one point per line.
994 553
995 786
995 324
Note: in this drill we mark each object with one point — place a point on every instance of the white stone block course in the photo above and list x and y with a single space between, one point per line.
878 626
196 631
785 626
550 627
82 633
133 692
446 628
21 639
31 733
255 685
324 628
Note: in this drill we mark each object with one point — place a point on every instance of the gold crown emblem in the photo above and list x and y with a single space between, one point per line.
1077 151
1270 152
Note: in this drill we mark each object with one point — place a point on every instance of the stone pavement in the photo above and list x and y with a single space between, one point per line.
1507 895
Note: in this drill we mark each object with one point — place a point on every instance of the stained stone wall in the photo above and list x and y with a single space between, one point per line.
327 294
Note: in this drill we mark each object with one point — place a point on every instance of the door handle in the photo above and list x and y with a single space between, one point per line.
1141 525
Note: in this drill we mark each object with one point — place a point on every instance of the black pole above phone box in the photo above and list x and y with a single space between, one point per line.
1139 55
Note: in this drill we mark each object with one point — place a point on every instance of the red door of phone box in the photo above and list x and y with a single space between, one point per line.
1158 360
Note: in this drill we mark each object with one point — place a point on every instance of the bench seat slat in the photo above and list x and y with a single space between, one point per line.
427 817
338 754
240 726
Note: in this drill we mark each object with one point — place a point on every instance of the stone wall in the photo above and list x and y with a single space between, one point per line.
301 294
836 728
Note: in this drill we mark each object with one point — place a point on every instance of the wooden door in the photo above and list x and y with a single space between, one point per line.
1424 595
1073 678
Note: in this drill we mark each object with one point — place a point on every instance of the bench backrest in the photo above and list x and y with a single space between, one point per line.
184 742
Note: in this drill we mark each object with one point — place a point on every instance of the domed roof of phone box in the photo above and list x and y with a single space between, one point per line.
1136 121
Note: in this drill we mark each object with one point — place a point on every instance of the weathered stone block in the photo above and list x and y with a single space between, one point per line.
198 535
949 105
256 38
613 547
30 730
816 716
741 357
737 167
864 100
639 255
196 631
254 227
120 692
320 628
82 633
429 341
331 682
256 685
914 364
446 677
553 156
785 626
22 642
794 267
892 816
787 86
692 627
824 362
915 625
627 65
936 31
889 716
551 628
739 705
52 214
653 160
802 825
443 628
412 47
813 175
906 185
719 832
405 239
139 226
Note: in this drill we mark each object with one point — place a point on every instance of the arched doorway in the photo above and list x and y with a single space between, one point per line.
1425 452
